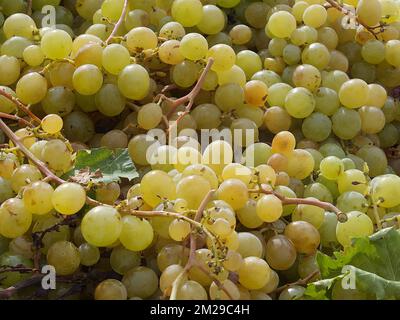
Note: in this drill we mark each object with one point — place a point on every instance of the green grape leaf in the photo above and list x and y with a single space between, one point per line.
102 166
374 262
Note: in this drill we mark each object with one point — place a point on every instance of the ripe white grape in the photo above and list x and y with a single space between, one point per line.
68 198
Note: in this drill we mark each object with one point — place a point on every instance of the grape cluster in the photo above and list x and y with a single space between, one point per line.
307 87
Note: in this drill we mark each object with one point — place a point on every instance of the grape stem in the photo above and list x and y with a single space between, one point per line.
348 12
20 105
119 23
8 293
18 268
16 118
300 282
29 8
41 166
313 202
189 98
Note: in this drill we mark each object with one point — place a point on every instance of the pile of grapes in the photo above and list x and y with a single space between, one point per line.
307 88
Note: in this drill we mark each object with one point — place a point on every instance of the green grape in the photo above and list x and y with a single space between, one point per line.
291 54
392 48
90 53
191 290
193 46
304 236
377 95
31 88
223 55
141 38
185 73
15 220
254 273
89 254
319 191
315 15
249 62
373 51
229 96
269 208
207 116
300 164
332 149
168 277
372 119
216 293
240 34
385 190
179 229
101 226
328 37
331 167
369 11
280 253
249 245
276 47
15 46
68 198
352 180
6 191
122 260
56 44
248 215
317 127
149 116
375 159
33 55
352 201
326 101
186 186
56 155
52 123
37 197
47 221
358 224
348 164
156 186
277 119
311 214
61 73
187 12
108 193
334 79
328 229
141 147
59 100
140 282
86 8
134 82
281 24
316 54
24 175
299 103
293 292
389 136
136 234
64 256
137 18
109 100
171 254
353 93
245 130
172 30
13 260
234 192
78 126
19 24
6 105
169 52
87 79
307 76
112 9
346 123
110 289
